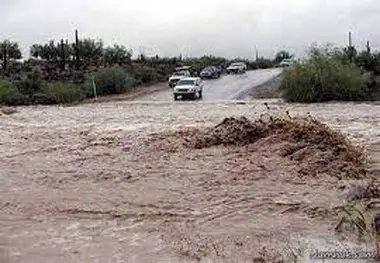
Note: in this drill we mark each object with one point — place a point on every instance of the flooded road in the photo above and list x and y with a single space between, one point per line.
228 87
80 184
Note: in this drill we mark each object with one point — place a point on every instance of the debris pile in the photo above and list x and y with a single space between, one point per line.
311 144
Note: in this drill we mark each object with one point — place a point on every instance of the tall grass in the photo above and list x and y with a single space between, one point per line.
63 93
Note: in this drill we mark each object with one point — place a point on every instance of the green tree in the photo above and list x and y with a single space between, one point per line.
117 55
60 53
48 51
9 51
89 52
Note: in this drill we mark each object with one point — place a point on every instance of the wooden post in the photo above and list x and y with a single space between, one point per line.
94 87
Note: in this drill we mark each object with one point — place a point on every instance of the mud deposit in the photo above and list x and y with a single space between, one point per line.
154 182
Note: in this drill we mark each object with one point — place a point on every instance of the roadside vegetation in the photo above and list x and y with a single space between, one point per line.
333 74
63 72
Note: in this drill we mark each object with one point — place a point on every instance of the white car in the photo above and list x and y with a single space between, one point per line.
238 67
188 87
178 74
287 63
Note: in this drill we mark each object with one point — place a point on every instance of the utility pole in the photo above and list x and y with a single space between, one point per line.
257 55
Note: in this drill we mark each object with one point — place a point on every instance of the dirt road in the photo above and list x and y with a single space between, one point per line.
78 184
228 87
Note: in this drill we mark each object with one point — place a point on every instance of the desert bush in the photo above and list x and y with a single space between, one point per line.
31 84
111 81
60 92
324 78
146 74
9 94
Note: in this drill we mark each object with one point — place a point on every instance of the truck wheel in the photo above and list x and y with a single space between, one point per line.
175 97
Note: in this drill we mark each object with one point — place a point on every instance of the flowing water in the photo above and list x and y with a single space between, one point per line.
78 184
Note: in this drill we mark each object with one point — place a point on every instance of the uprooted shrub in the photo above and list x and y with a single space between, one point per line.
312 144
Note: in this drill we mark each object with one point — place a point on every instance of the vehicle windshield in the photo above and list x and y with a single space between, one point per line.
185 82
179 73
236 64
208 69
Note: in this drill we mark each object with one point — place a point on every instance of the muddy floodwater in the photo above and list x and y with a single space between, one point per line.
81 184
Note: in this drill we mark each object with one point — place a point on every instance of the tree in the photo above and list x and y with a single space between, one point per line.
47 51
89 51
9 51
117 55
64 53
283 54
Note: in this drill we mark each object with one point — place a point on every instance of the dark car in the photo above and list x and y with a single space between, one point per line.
210 73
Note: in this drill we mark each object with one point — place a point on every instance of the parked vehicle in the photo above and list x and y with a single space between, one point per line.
210 72
178 74
188 88
237 68
286 63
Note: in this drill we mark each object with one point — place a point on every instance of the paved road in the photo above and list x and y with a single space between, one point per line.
229 87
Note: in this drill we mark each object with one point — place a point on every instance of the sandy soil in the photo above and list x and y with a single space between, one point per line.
81 184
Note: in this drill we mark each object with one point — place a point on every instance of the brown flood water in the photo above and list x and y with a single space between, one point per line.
78 184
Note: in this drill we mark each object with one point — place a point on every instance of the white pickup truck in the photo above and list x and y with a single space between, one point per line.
189 87
237 67
178 74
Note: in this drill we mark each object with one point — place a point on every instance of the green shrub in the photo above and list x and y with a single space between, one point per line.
31 84
146 74
9 94
110 81
87 88
62 93
324 78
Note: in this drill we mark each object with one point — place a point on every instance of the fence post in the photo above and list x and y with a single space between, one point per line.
94 87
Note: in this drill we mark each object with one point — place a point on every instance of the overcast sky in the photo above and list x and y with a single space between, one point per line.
195 27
